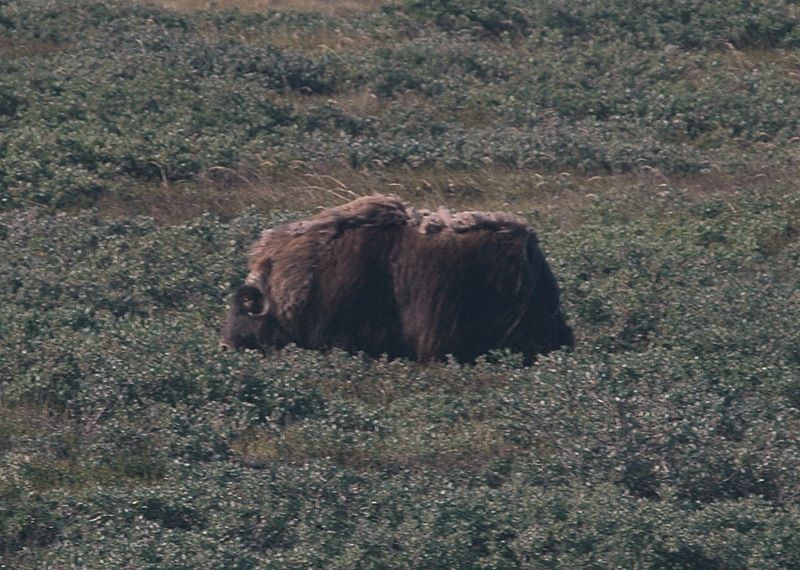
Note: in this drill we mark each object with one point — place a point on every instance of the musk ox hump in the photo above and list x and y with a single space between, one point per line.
287 261
377 210
370 211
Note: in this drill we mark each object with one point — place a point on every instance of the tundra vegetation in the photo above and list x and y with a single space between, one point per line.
653 145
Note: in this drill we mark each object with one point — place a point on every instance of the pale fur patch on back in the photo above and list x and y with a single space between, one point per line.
489 221
428 222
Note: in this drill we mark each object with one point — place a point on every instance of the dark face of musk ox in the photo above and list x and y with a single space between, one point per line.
247 324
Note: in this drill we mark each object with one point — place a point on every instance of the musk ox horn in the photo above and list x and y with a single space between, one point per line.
263 313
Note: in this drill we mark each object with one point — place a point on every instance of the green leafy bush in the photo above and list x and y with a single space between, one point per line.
685 23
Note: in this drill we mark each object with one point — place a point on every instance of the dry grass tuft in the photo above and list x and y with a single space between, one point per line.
13 48
325 38
752 58
550 200
341 8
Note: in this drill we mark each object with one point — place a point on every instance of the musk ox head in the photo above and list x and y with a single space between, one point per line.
246 318
377 276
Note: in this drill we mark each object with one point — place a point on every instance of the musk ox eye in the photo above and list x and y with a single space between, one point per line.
249 301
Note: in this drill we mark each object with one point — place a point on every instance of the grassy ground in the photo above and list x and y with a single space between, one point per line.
144 145
342 9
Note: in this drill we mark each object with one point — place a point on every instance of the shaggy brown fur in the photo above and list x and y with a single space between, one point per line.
378 276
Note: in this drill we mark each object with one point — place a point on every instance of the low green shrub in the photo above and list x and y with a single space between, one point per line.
646 24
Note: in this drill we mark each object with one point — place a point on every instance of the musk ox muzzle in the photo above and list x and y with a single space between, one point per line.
380 277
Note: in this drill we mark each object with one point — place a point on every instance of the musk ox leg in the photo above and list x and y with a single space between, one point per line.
466 294
351 304
453 294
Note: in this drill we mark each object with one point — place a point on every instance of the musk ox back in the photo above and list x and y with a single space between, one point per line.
378 276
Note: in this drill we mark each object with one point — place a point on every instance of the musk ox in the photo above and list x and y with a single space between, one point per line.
379 276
